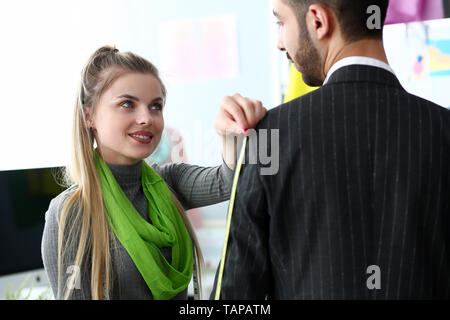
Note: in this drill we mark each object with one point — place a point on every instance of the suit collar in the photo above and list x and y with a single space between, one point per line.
363 73
347 61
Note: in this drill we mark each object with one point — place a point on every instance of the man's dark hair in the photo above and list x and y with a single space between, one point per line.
352 16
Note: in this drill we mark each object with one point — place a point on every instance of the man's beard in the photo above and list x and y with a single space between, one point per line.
307 60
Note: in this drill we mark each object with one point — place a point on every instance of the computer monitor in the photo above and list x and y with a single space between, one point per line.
24 198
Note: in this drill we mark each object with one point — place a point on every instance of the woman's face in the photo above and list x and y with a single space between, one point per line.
128 120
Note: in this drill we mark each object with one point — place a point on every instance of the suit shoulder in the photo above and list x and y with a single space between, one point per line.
429 104
438 114
277 115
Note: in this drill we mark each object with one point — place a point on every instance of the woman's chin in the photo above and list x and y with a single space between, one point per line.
143 154
140 156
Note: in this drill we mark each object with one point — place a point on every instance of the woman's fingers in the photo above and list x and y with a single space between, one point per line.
248 109
253 110
234 109
230 125
238 114
230 118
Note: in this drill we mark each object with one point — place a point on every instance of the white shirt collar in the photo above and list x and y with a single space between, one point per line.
357 60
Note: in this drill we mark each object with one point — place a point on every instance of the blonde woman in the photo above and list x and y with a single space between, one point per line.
120 231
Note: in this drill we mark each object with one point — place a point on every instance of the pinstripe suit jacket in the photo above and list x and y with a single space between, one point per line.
364 180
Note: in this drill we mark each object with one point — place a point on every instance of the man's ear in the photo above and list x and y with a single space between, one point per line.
319 21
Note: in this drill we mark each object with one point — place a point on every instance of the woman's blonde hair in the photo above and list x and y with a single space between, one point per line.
82 223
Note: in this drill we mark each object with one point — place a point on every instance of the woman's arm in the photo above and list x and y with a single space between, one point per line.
197 186
49 248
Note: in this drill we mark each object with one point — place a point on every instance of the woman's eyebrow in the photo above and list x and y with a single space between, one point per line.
128 96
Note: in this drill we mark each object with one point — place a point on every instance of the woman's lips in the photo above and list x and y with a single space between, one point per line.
141 138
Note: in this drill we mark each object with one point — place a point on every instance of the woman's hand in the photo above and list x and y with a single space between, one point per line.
236 115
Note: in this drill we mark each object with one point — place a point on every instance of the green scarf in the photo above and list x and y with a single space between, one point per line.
141 239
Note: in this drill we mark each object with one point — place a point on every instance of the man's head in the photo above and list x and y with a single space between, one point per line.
312 32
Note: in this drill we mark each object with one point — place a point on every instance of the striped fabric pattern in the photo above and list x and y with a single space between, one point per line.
364 180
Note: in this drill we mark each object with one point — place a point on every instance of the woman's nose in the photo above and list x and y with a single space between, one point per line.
144 116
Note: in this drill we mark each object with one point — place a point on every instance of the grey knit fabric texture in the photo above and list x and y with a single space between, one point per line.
194 186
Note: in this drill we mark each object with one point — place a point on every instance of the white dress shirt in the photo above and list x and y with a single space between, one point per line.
357 60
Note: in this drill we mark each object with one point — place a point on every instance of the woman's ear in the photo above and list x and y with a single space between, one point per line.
88 117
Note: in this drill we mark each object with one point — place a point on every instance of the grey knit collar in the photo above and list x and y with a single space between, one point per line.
127 175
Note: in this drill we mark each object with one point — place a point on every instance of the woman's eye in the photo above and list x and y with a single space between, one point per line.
127 104
157 106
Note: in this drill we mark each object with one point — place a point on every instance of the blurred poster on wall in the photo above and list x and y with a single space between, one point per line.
419 53
439 57
199 50
401 11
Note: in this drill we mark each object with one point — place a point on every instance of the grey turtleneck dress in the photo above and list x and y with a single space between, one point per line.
194 187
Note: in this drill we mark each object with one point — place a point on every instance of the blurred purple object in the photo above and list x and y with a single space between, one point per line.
401 11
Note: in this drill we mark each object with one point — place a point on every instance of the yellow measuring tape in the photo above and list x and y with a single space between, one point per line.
230 212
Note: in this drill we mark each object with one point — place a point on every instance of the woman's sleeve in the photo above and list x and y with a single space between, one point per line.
49 251
197 186
49 247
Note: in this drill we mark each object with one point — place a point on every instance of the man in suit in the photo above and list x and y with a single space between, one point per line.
360 205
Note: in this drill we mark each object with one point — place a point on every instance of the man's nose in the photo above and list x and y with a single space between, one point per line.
280 44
